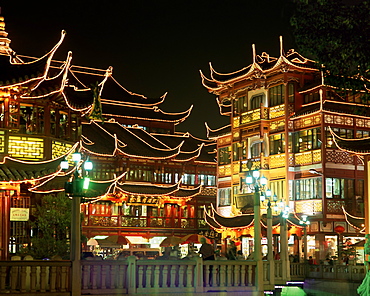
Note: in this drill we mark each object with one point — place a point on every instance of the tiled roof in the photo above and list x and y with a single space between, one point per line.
357 146
20 73
222 131
356 222
110 138
20 171
149 189
262 65
15 71
334 106
112 90
147 113
243 221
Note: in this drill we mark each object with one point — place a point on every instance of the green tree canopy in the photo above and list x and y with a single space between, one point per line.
336 34
51 228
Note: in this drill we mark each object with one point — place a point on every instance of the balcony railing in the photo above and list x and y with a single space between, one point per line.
134 221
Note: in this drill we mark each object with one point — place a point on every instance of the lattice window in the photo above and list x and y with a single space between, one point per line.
26 148
59 148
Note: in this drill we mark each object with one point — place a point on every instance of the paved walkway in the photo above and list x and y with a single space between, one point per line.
210 293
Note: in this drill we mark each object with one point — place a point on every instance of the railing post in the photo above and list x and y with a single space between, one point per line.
198 275
131 274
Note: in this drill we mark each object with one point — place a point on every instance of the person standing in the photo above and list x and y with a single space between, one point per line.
208 253
206 250
231 253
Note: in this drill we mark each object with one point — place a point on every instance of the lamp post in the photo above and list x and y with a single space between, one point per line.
284 243
270 256
283 211
304 222
76 188
258 184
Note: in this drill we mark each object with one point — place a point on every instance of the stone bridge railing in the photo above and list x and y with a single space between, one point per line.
132 276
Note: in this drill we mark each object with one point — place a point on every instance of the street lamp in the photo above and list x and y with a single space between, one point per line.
76 188
304 222
282 210
258 185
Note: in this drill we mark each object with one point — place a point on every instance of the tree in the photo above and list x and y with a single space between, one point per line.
336 34
51 228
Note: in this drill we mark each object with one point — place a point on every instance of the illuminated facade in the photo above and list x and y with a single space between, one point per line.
280 112
148 180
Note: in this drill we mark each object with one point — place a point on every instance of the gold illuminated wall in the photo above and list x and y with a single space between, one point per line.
2 142
308 206
23 147
59 149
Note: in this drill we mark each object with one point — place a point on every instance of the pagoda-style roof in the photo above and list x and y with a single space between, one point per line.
359 146
240 221
333 107
14 71
192 147
149 189
224 106
356 222
56 183
112 92
262 66
19 171
50 85
217 133
116 110
112 138
218 221
149 194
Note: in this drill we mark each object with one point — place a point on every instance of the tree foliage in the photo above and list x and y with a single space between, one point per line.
51 228
335 33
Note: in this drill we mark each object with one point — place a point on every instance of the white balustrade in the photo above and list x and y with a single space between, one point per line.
120 277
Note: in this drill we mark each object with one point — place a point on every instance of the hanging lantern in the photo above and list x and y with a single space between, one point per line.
339 229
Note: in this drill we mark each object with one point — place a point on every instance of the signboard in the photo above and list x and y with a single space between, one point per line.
210 234
143 201
19 214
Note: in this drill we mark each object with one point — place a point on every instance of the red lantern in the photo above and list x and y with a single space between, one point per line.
339 229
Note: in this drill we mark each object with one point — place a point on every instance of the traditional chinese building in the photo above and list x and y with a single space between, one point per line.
148 180
280 111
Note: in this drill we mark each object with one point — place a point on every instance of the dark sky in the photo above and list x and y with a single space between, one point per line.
155 46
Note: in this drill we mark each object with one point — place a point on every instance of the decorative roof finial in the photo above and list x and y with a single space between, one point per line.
254 52
281 46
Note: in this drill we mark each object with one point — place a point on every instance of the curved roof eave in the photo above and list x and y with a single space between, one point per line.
240 221
215 134
356 222
57 82
147 188
126 96
44 60
359 146
209 84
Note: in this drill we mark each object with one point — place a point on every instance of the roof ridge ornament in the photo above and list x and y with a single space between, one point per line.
281 46
254 53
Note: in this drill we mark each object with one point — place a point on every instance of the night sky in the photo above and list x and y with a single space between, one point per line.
155 46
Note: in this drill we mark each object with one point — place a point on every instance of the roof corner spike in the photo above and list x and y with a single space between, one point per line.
109 71
281 46
254 52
